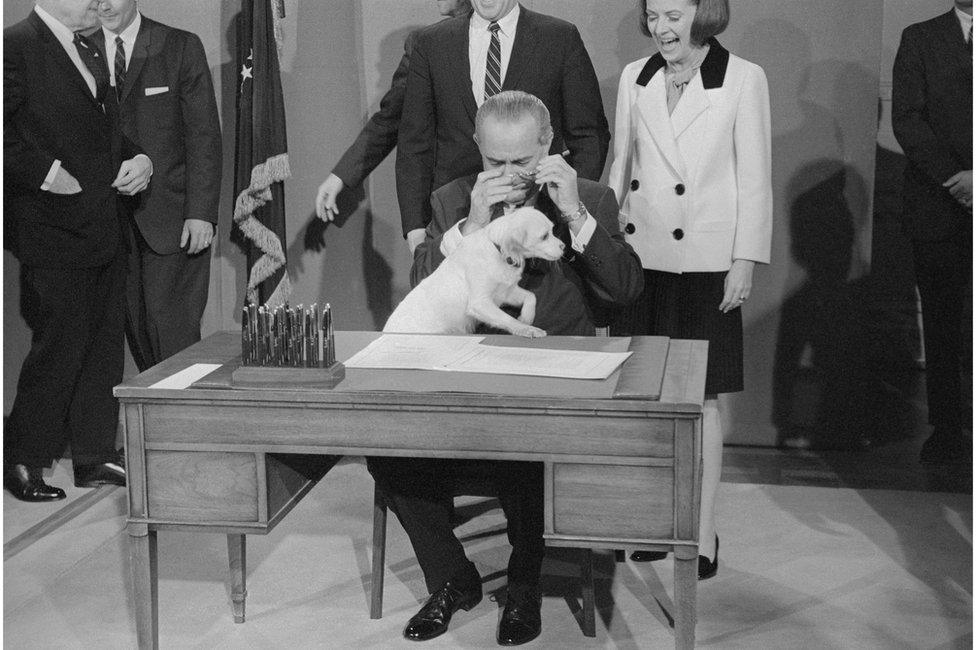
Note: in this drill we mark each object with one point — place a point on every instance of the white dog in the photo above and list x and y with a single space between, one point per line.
482 273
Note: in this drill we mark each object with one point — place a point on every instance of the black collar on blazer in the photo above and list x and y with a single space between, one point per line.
712 68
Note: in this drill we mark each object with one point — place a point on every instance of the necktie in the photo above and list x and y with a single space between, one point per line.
493 69
95 63
119 66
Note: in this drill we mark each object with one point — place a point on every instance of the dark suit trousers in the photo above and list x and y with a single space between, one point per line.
165 299
943 273
64 392
420 492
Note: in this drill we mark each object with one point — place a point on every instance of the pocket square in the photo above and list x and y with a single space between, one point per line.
157 90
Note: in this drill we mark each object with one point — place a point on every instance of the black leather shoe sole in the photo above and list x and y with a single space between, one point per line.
27 485
648 556
92 476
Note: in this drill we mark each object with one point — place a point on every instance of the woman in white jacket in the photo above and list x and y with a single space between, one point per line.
691 167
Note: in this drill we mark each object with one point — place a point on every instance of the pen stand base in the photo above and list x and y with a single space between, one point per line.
288 378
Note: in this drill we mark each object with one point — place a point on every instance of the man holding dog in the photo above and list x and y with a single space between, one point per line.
598 269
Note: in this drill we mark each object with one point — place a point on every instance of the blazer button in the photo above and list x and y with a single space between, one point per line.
678 233
629 229
679 189
634 184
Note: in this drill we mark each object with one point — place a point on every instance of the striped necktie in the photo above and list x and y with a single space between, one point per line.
119 66
493 69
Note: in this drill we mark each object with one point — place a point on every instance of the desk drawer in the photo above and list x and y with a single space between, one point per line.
225 487
626 501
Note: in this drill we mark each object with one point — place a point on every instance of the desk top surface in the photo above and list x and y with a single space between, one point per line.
668 373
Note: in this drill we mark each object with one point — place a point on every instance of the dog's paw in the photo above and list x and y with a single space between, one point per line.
529 332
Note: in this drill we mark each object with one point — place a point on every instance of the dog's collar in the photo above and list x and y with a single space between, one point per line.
508 260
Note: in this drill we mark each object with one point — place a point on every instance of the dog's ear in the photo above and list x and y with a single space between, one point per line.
512 247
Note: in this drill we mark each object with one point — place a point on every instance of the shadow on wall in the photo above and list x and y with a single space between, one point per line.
841 368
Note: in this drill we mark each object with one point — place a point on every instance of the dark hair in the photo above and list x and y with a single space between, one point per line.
711 19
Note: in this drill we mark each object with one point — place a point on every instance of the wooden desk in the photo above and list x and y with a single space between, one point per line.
619 472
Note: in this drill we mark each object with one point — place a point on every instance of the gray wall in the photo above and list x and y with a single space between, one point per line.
822 59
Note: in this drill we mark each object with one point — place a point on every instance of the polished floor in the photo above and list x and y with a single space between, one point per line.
814 555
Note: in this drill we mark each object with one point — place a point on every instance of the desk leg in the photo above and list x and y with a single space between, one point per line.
379 555
589 597
142 564
237 554
685 593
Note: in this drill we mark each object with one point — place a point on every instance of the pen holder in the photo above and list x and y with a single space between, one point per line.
288 377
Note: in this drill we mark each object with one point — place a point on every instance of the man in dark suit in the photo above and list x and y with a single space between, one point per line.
379 136
64 164
598 270
457 63
932 116
166 106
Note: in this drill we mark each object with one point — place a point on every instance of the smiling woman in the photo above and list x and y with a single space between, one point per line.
693 129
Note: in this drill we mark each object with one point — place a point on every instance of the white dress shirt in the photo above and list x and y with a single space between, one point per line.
479 38
128 40
965 21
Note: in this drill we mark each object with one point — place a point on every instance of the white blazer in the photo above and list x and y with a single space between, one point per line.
695 187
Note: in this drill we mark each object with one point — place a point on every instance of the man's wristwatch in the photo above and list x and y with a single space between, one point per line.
579 213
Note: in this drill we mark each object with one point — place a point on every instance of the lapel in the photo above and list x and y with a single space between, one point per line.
523 49
950 32
652 106
456 46
140 52
54 52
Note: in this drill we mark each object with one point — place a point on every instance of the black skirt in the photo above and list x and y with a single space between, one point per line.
685 306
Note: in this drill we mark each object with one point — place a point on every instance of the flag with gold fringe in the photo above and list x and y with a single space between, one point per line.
261 152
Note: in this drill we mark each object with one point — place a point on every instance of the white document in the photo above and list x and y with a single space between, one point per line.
187 376
414 352
466 354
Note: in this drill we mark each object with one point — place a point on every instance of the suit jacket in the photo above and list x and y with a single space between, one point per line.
379 137
168 107
696 185
436 145
50 114
932 116
572 294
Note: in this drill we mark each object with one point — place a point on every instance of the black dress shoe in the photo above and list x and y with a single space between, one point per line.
99 474
434 617
27 484
648 556
522 619
708 568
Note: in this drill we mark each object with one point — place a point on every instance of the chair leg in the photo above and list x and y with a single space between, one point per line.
237 554
589 599
379 554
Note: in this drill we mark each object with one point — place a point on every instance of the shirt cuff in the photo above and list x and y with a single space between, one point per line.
580 241
452 238
55 168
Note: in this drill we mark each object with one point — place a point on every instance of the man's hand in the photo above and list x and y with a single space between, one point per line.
491 187
64 183
198 234
415 238
960 186
134 175
325 200
738 285
555 172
